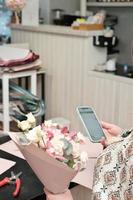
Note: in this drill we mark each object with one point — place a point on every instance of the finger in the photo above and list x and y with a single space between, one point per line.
115 131
103 141
105 131
106 125
47 192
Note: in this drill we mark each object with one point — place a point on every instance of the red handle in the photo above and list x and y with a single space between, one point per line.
18 184
5 181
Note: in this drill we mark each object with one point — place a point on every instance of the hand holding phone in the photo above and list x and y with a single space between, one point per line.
91 123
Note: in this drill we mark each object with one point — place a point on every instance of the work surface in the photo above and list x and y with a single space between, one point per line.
31 188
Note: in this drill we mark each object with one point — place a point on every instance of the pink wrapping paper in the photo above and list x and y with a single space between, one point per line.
55 175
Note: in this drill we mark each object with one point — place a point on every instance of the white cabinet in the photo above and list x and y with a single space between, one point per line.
112 98
102 96
125 100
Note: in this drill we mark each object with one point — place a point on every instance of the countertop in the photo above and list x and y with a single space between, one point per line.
53 29
110 76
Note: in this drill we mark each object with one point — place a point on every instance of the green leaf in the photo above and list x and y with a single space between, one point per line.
70 163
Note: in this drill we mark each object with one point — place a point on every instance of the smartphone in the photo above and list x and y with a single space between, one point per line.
91 123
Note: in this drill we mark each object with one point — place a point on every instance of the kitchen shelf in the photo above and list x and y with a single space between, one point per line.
85 4
109 4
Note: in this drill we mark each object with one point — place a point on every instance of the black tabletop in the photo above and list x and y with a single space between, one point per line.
31 187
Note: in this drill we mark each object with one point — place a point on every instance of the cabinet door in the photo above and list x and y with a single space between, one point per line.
102 96
125 117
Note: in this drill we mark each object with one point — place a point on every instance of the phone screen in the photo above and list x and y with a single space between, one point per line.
91 123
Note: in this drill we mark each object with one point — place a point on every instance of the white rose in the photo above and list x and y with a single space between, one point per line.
58 135
50 150
81 162
31 119
24 125
57 145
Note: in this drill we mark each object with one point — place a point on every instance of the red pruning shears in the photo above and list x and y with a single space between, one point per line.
15 180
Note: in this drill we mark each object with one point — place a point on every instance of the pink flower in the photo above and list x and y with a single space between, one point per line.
50 134
48 144
73 134
15 5
64 130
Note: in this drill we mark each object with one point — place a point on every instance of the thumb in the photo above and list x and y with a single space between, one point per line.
104 142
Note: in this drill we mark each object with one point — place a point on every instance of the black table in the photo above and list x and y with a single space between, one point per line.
31 188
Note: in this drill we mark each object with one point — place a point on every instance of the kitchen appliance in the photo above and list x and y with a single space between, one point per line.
57 16
124 70
111 42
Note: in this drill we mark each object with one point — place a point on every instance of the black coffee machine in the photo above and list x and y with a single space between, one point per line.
57 16
109 42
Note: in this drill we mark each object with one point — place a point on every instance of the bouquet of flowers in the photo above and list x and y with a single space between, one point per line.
53 152
16 6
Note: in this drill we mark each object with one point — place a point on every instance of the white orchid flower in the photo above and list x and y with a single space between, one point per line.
48 123
31 119
35 135
76 149
24 125
80 137
84 156
83 159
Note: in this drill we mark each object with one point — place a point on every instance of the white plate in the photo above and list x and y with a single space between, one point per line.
12 53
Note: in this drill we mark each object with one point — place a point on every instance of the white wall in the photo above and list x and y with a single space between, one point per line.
70 6
67 59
